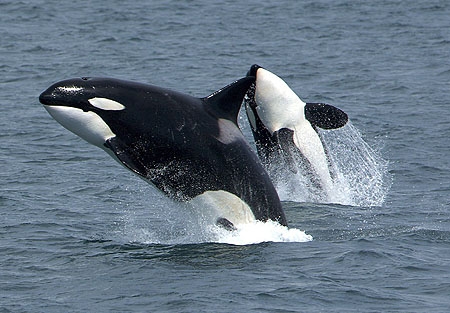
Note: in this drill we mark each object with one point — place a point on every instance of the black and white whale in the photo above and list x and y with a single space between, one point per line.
285 128
189 148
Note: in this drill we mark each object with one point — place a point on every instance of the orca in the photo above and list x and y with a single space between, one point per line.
189 148
285 128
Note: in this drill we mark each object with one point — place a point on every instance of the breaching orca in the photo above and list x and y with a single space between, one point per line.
187 147
283 125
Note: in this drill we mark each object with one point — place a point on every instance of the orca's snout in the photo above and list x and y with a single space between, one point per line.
253 69
42 97
62 91
46 97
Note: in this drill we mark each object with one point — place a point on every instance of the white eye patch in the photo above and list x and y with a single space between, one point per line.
106 104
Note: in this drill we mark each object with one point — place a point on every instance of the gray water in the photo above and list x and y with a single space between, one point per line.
78 233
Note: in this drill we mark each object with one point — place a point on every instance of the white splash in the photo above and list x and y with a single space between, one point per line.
177 223
258 232
360 173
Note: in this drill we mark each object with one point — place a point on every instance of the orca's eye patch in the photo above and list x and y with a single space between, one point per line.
106 104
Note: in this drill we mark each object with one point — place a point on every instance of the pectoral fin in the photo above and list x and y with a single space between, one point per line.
325 116
128 160
226 224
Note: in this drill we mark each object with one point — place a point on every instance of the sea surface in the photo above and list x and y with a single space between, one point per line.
79 233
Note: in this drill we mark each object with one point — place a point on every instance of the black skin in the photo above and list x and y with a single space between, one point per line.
171 139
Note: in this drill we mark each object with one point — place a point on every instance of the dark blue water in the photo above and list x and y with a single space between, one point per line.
80 233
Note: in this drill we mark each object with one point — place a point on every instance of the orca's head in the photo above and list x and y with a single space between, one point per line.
271 103
92 108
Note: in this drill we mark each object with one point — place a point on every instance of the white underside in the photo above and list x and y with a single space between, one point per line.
87 125
279 107
222 204
308 142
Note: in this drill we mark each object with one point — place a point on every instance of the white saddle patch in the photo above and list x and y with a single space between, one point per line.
229 132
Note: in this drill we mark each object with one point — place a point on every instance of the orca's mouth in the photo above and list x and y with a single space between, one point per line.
55 100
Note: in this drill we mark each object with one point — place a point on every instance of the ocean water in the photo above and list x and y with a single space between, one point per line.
78 233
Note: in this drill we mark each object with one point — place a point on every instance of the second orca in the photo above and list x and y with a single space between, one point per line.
285 128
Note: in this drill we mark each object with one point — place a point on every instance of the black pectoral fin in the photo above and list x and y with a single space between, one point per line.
325 116
126 157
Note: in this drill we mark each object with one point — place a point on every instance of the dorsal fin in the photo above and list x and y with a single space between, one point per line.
226 102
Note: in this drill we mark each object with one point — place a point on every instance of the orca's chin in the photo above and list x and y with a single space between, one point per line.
86 124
